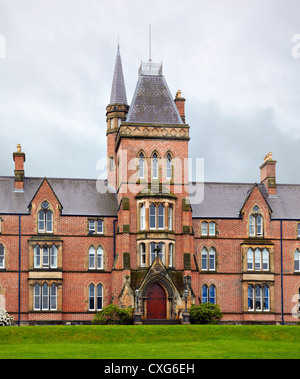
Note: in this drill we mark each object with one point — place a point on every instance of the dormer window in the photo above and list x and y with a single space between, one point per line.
45 219
256 223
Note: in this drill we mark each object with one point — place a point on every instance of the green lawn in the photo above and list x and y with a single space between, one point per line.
150 342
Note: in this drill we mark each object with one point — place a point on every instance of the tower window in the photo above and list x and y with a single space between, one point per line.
141 166
155 166
169 166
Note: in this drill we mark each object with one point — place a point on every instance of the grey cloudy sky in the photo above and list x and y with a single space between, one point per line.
232 59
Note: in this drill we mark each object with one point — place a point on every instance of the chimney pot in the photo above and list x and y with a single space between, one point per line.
180 104
268 174
19 159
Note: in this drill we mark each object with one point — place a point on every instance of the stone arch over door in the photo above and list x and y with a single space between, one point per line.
156 302
168 289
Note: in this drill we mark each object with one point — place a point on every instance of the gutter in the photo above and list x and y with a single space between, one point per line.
281 272
114 224
19 289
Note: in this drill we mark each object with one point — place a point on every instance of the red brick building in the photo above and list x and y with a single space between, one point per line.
68 247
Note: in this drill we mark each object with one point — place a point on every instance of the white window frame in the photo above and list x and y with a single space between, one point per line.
155 166
169 167
141 166
142 217
170 216
100 255
143 254
204 259
212 228
204 228
161 216
297 261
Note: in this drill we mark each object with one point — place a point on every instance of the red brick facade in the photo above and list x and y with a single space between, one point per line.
60 266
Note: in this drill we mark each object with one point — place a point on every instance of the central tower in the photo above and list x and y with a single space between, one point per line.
151 181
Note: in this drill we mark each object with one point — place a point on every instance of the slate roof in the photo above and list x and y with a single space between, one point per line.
78 197
225 200
118 91
152 102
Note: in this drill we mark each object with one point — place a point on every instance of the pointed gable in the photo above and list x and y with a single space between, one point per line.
256 193
45 191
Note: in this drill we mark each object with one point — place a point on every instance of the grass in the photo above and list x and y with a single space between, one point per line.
150 342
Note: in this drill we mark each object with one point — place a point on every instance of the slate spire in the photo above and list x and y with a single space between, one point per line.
118 91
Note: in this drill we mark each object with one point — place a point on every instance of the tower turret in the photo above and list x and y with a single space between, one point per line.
116 112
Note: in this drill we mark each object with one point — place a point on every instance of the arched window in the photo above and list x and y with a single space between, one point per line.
154 166
266 294
212 294
204 256
258 298
259 225
161 252
212 260
169 166
252 226
45 219
258 304
153 251
170 255
209 294
99 297
100 258
2 257
141 166
142 217
37 297
152 216
266 260
297 261
257 260
256 223
170 217
53 297
143 254
204 294
91 297
45 297
45 257
92 257
96 258
161 216
250 298
250 260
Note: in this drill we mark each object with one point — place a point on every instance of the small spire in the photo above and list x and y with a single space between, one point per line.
118 91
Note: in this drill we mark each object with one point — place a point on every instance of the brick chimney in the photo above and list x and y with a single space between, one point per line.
19 159
180 104
268 174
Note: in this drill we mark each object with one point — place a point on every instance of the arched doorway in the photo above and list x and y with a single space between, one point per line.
156 302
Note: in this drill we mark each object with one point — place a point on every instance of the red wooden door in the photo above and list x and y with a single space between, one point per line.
156 304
